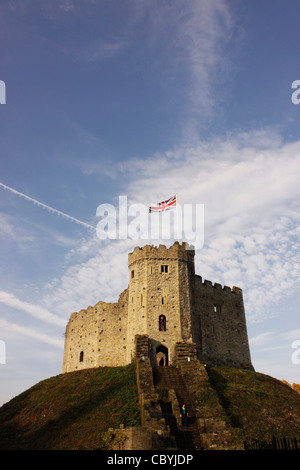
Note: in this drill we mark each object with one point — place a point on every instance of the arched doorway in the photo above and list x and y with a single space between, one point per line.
162 355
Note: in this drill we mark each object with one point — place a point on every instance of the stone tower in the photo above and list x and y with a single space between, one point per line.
168 304
160 298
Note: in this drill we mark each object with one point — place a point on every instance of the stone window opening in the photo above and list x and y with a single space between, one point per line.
132 274
164 268
81 356
162 323
162 300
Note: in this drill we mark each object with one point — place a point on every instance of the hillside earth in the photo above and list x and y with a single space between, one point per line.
71 411
257 403
75 410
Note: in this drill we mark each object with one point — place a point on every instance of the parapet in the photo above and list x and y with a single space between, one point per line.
182 251
218 286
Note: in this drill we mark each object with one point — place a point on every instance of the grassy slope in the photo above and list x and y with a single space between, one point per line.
74 410
257 403
71 411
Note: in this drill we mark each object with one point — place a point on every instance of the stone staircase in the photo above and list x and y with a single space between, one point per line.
162 392
170 378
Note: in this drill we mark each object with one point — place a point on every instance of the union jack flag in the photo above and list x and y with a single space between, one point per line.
164 205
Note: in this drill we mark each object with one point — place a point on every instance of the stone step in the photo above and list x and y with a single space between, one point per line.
171 378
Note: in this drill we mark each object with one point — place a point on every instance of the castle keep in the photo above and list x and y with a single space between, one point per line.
168 304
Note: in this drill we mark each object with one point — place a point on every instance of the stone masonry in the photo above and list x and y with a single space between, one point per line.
169 304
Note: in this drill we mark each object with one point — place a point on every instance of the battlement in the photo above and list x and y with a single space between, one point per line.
167 302
218 286
182 251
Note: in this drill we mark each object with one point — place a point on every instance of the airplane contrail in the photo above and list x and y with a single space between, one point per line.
51 209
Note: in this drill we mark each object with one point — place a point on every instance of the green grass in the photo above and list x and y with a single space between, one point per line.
256 403
75 410
71 411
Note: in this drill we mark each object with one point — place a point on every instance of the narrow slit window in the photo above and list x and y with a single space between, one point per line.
164 268
81 356
217 308
162 323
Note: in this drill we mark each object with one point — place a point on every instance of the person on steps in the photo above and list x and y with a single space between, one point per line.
184 415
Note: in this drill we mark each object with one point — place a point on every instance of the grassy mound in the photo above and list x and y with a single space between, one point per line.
74 411
71 411
257 403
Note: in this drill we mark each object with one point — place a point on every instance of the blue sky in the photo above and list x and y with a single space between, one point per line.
146 98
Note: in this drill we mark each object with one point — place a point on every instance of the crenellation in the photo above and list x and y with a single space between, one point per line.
168 303
237 290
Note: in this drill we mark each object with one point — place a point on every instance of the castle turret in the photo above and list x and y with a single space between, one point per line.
160 298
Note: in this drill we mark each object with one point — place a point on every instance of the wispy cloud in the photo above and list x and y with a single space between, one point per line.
251 195
34 310
97 271
30 333
271 341
203 34
101 50
66 5
261 339
248 184
195 38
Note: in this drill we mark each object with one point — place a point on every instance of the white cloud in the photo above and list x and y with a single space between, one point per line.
101 50
195 38
34 310
261 339
251 196
97 271
274 341
12 230
67 5
29 332
249 186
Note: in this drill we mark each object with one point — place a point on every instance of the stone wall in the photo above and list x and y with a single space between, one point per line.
162 285
97 336
219 325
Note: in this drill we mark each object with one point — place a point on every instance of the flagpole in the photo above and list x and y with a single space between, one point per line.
177 218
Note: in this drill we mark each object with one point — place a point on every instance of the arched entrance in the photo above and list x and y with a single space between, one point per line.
162 356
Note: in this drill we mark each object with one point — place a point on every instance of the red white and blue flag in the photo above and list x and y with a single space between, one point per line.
164 205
